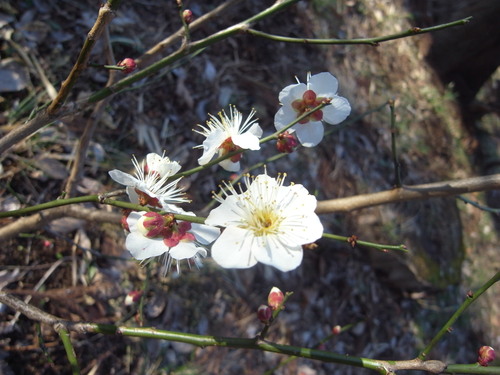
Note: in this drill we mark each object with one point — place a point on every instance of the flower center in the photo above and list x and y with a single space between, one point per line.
145 199
308 102
264 221
228 146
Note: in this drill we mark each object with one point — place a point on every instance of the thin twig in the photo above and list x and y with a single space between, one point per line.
90 125
104 17
370 41
154 51
397 166
471 297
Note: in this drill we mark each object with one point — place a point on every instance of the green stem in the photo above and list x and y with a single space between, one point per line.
457 314
234 342
471 369
354 241
70 351
370 41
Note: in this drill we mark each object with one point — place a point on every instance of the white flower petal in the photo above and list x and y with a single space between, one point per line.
276 254
229 166
233 249
184 250
143 248
204 234
324 84
122 177
226 214
337 111
247 141
132 219
162 164
310 134
291 93
285 116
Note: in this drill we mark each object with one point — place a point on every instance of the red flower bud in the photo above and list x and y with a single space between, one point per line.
275 298
286 142
486 355
133 297
264 314
188 16
124 223
336 330
129 65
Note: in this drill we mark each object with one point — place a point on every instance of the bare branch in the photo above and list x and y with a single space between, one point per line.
407 193
38 220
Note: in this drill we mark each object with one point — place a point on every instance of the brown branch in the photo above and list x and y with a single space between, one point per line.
407 193
90 125
38 220
53 111
104 17
149 55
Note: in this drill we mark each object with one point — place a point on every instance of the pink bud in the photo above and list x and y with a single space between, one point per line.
486 355
129 65
264 314
133 297
286 142
124 223
188 16
336 330
151 224
275 298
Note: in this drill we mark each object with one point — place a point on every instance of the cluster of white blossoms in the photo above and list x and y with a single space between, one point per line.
152 234
267 222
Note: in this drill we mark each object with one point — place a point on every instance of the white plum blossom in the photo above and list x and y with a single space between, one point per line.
228 134
149 186
153 234
267 223
300 98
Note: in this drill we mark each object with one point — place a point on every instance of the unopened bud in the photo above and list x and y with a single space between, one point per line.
151 224
123 221
286 142
133 297
188 16
264 313
486 355
336 330
128 64
275 298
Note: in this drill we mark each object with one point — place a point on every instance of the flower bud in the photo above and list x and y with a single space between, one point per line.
124 218
188 16
486 355
129 65
264 314
151 224
133 297
275 298
286 143
336 330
